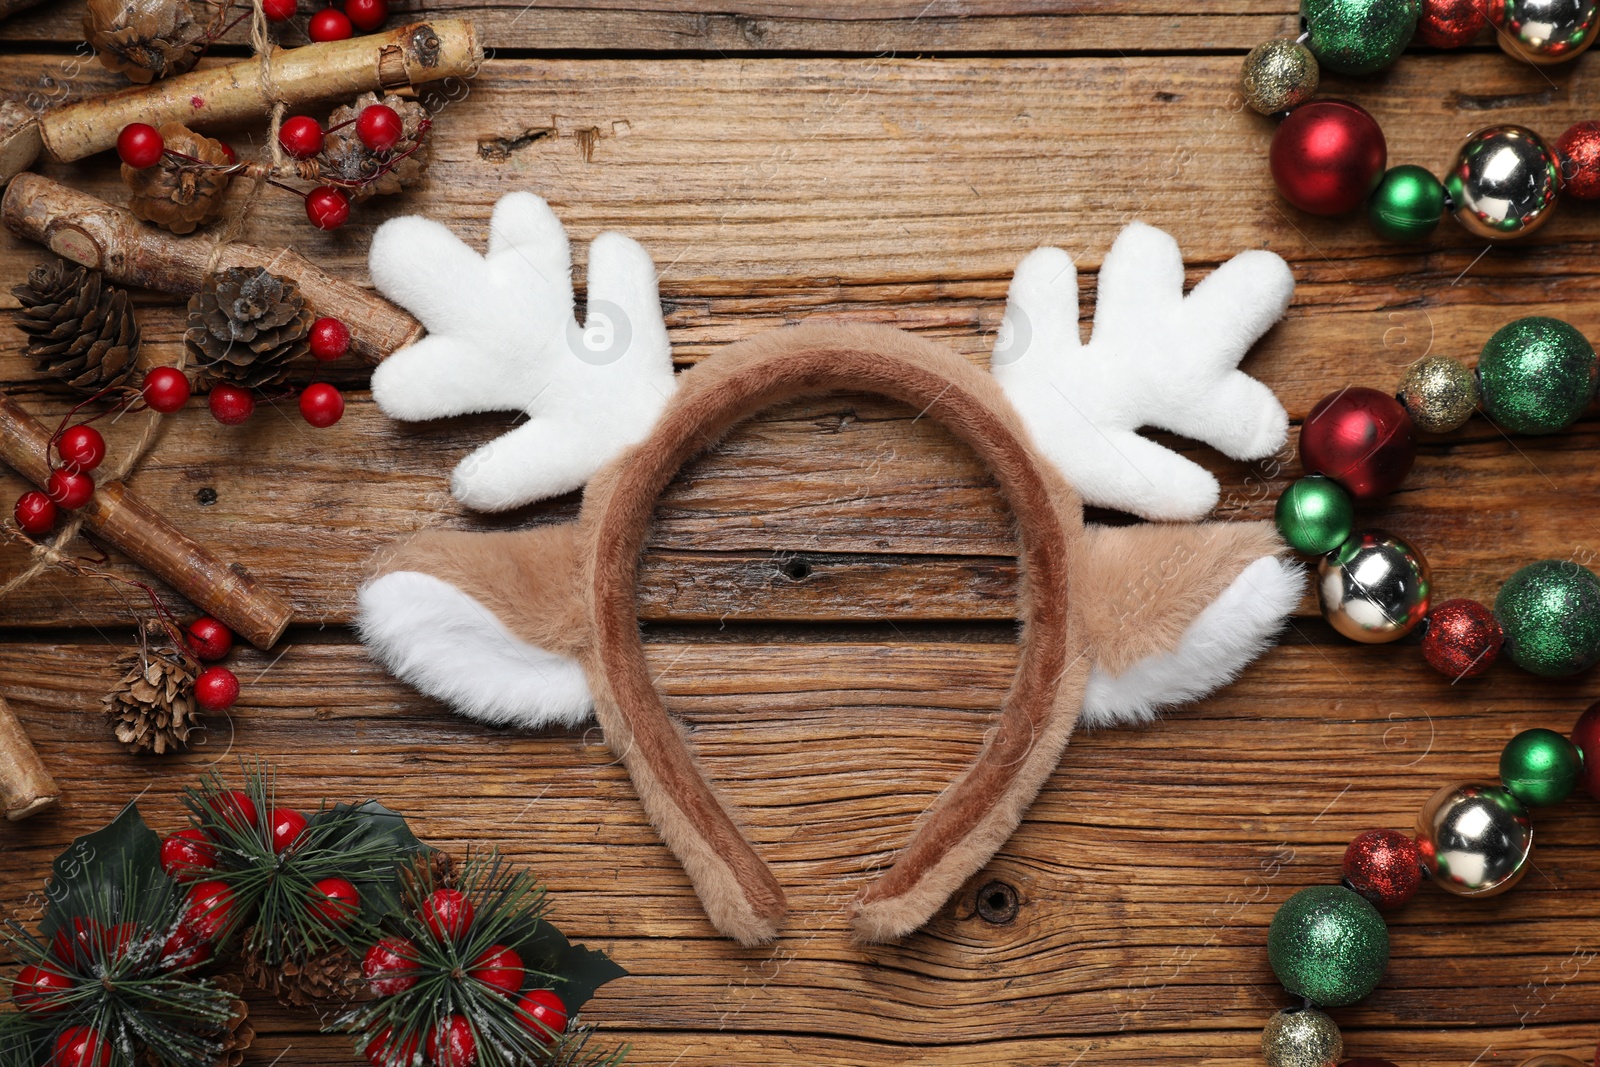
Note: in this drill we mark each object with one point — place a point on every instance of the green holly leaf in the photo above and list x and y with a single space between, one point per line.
579 970
104 872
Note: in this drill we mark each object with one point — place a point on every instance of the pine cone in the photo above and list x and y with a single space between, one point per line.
152 708
236 1036
330 975
345 158
80 328
175 193
245 325
144 39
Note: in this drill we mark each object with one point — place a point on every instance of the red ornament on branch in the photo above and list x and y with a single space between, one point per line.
1362 439
279 10
286 825
187 854
1327 157
379 127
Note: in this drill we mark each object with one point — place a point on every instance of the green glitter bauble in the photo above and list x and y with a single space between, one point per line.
1359 36
1329 945
1540 768
1537 375
1407 205
1550 612
1315 515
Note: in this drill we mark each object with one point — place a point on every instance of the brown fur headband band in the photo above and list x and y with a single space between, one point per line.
1136 607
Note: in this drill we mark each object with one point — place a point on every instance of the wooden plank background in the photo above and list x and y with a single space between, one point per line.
828 596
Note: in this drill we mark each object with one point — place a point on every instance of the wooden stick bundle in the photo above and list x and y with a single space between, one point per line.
86 230
241 92
227 592
25 785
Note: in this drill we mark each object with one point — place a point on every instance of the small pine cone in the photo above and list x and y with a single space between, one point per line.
333 975
235 1037
175 193
152 707
443 867
345 158
144 39
246 325
80 327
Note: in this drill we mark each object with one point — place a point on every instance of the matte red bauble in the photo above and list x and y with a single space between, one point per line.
1586 735
1454 23
1383 866
1463 639
1362 439
1327 157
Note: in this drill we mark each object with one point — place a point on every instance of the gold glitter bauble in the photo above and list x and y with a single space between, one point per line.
1279 75
1301 1037
1441 393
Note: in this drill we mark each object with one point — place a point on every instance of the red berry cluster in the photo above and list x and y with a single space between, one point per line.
332 24
216 688
79 449
391 967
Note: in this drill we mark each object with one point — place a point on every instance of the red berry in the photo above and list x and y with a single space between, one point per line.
166 389
38 989
367 14
209 639
235 808
390 966
278 10
227 150
379 127
139 145
384 1051
321 404
327 207
499 967
231 405
542 1012
301 136
69 489
74 944
183 949
35 513
448 913
330 339
336 901
450 1044
81 448
209 912
81 1046
286 825
187 853
329 24
216 689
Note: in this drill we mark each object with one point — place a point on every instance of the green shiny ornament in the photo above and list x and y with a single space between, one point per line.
1315 515
1329 945
1550 612
1537 375
1359 36
1407 204
1540 768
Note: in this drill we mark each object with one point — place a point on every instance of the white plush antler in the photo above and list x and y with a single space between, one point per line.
502 336
1155 359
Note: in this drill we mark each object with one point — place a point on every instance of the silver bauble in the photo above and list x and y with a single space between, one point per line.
1504 183
1374 588
1301 1037
1548 31
1475 839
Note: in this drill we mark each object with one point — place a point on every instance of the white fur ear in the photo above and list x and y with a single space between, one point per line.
441 641
1233 629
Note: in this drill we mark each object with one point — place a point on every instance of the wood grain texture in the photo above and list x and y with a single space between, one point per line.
828 594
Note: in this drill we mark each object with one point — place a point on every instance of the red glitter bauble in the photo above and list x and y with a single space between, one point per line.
1586 735
1327 157
1362 439
1463 639
1453 23
1579 152
1383 866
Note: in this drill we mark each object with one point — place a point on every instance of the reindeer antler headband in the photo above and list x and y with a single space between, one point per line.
1115 621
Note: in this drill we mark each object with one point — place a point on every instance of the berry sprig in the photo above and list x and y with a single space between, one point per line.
301 138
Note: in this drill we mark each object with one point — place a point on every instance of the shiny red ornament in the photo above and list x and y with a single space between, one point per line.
231 405
35 513
390 966
301 136
330 339
335 901
74 944
1463 639
165 389
385 1051
1362 439
1455 23
208 915
451 1044
286 825
1579 152
321 405
209 639
1586 735
379 127
235 808
139 145
498 967
1327 157
81 448
38 989
279 10
185 855
1384 866
329 24
367 14
69 489
448 913
327 207
542 1014
81 1046
216 689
